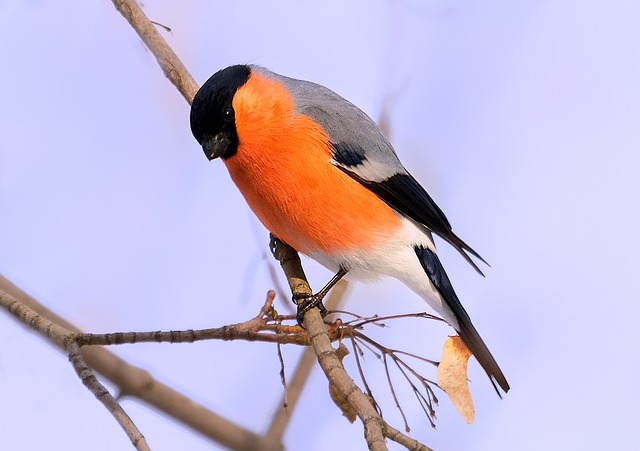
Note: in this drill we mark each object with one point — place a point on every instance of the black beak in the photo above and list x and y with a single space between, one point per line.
215 146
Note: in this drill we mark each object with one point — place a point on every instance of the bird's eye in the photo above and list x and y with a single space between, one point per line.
227 115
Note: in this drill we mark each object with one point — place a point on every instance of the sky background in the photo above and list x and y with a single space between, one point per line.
522 121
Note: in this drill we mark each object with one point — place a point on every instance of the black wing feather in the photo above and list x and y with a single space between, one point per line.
432 266
404 194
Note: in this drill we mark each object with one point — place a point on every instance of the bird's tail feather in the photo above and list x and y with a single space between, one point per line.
474 342
470 336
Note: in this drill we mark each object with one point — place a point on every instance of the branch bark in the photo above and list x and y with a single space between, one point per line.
169 62
301 374
138 383
61 338
327 357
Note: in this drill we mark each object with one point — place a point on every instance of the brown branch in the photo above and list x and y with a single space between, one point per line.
327 357
60 336
102 394
260 328
138 383
337 375
404 440
169 62
135 382
376 429
301 374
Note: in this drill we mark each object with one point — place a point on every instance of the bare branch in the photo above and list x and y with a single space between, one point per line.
400 438
383 352
169 62
102 394
327 358
301 374
60 336
265 327
138 383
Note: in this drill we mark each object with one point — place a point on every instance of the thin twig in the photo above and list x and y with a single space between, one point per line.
359 353
136 382
283 377
61 337
403 367
169 62
300 376
258 328
404 440
102 394
361 321
393 393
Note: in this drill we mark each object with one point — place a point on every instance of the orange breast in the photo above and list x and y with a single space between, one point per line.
283 169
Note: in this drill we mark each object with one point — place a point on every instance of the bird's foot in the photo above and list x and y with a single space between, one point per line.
306 303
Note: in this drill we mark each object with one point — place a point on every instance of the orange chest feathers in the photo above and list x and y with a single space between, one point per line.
283 169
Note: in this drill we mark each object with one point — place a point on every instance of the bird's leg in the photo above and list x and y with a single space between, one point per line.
290 262
306 303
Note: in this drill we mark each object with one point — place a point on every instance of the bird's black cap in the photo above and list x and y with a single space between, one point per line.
212 114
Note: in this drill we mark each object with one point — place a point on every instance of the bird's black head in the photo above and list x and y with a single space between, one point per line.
212 115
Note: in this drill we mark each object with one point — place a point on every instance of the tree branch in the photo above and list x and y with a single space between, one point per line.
327 357
169 62
301 374
136 382
60 337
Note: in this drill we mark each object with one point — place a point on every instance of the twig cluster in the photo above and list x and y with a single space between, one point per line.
423 390
267 326
130 380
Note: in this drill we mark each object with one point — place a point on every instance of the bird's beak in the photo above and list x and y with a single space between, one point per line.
215 146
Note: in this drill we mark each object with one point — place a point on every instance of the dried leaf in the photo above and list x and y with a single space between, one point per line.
452 376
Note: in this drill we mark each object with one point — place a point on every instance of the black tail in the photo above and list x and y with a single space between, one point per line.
432 266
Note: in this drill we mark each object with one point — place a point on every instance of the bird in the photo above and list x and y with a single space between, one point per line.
321 176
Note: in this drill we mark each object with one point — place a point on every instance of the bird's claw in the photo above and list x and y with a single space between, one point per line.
306 303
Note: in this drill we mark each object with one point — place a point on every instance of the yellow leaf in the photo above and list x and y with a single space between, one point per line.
452 376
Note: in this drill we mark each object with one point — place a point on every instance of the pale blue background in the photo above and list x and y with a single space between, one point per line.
523 121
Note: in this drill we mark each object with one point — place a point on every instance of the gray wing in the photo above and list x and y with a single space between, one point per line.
364 153
359 145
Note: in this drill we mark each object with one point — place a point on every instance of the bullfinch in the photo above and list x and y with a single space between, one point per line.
321 176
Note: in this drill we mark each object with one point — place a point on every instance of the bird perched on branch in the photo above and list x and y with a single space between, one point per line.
320 176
